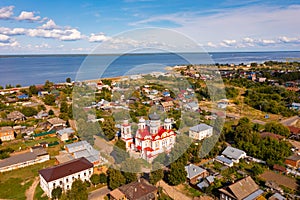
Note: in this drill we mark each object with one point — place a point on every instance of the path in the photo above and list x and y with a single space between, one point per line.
290 121
99 194
172 191
30 192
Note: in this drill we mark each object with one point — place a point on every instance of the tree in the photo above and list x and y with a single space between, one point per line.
33 90
29 111
103 178
49 99
177 173
156 176
63 107
115 178
108 128
119 152
277 128
68 80
50 112
95 179
48 85
78 191
56 193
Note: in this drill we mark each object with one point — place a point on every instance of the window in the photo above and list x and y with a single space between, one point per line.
84 174
60 182
90 172
53 185
68 187
67 180
78 175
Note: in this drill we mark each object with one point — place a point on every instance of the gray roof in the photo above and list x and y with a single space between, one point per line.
154 116
210 179
193 104
22 157
224 160
68 131
254 195
193 171
202 185
200 127
232 152
83 149
277 196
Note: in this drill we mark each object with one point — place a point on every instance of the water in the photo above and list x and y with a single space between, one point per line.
28 70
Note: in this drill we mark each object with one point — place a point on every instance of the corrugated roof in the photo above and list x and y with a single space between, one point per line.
254 195
65 169
193 171
232 152
243 188
224 160
200 127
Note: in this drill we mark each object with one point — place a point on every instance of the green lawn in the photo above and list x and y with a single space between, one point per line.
38 194
14 188
14 183
20 144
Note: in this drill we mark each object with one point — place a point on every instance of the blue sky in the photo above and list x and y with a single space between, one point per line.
54 26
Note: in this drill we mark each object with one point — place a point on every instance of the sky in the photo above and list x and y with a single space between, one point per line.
63 27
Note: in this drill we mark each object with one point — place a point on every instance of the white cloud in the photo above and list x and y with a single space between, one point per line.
6 12
61 34
285 39
98 37
49 25
268 42
28 16
14 31
7 41
4 38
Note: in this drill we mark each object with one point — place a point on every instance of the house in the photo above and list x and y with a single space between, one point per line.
223 160
56 123
206 182
223 103
295 132
295 106
279 168
151 138
23 159
42 115
16 116
83 149
65 133
244 189
192 106
195 173
200 131
293 161
276 196
6 133
23 97
234 154
138 190
64 174
167 106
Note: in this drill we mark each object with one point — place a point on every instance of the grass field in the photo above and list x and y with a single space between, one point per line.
38 194
14 183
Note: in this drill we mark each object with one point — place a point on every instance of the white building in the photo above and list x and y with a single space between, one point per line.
65 133
200 131
234 154
65 174
151 138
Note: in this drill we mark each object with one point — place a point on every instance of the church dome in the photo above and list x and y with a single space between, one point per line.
154 116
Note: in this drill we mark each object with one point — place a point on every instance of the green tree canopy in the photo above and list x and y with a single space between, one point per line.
115 178
277 128
56 193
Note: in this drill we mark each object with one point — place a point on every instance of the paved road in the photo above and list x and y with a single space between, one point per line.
99 194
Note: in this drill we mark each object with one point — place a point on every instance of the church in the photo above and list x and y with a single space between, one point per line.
151 138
